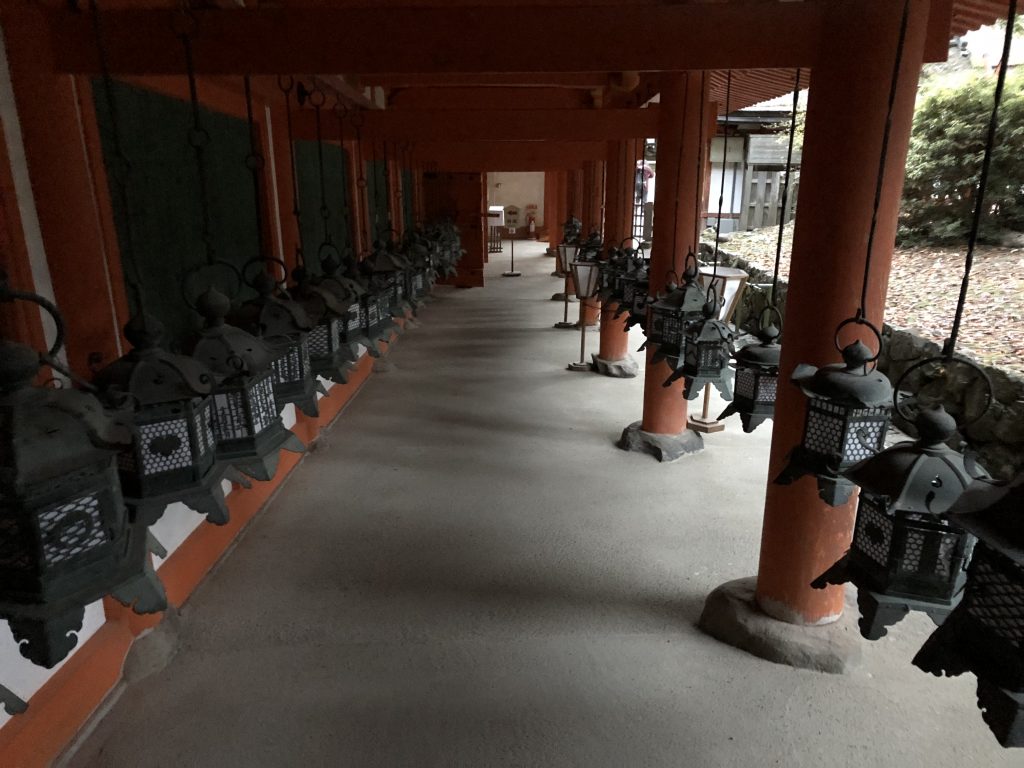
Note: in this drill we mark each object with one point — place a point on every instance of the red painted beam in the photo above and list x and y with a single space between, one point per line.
484 156
481 97
266 40
498 125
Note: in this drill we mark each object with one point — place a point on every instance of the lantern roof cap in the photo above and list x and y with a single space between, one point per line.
994 512
765 353
925 476
849 383
227 349
48 432
680 299
714 330
317 299
149 373
268 315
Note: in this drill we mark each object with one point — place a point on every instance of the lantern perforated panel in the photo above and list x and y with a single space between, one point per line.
261 401
824 427
863 439
354 318
320 340
204 429
710 358
745 383
289 367
164 446
230 420
14 556
767 388
628 291
70 530
997 599
873 533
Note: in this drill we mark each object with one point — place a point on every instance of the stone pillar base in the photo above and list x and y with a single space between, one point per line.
561 297
664 448
732 616
626 368
383 365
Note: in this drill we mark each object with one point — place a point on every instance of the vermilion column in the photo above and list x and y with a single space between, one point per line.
590 310
618 197
802 536
678 146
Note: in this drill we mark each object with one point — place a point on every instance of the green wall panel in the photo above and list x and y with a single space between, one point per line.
377 197
164 199
339 219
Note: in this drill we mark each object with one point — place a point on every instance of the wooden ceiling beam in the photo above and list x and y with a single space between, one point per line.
483 156
270 40
496 125
474 98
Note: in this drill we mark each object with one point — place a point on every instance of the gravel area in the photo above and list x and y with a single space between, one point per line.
923 289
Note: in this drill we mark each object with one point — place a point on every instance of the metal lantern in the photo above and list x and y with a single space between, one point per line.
848 410
670 314
985 633
757 379
67 538
568 252
571 230
246 422
387 276
586 276
172 455
348 290
328 356
905 554
284 325
707 349
635 285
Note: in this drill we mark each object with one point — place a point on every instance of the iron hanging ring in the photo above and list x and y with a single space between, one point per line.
331 250
265 260
358 119
859 320
691 257
317 97
671 273
286 83
630 240
773 310
9 294
946 360
191 273
340 109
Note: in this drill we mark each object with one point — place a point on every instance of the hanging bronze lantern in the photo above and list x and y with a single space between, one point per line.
757 378
67 538
671 313
906 554
985 633
707 349
284 326
384 269
329 357
172 456
246 422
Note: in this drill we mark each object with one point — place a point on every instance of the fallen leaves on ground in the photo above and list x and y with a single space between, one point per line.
924 285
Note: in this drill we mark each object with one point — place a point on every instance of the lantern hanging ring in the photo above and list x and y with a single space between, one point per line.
286 83
328 250
8 294
340 109
280 283
860 320
945 362
358 119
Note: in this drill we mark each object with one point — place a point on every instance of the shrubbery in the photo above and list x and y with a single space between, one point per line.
950 127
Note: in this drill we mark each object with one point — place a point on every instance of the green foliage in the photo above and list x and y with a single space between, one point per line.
944 162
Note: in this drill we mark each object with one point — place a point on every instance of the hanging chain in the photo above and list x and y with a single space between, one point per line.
679 174
121 168
317 99
949 348
357 122
254 161
198 139
698 198
286 84
340 112
725 161
785 187
883 155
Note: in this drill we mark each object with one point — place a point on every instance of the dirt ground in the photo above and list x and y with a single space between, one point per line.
923 289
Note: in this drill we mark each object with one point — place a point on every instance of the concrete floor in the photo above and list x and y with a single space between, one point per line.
469 573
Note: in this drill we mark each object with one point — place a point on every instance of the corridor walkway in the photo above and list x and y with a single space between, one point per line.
467 572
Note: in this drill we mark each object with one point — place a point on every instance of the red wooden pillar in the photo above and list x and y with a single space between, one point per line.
802 536
552 226
674 224
618 217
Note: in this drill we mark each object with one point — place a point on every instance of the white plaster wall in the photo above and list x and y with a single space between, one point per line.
25 678
519 189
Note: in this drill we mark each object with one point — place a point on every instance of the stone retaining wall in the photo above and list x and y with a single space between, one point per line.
997 438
